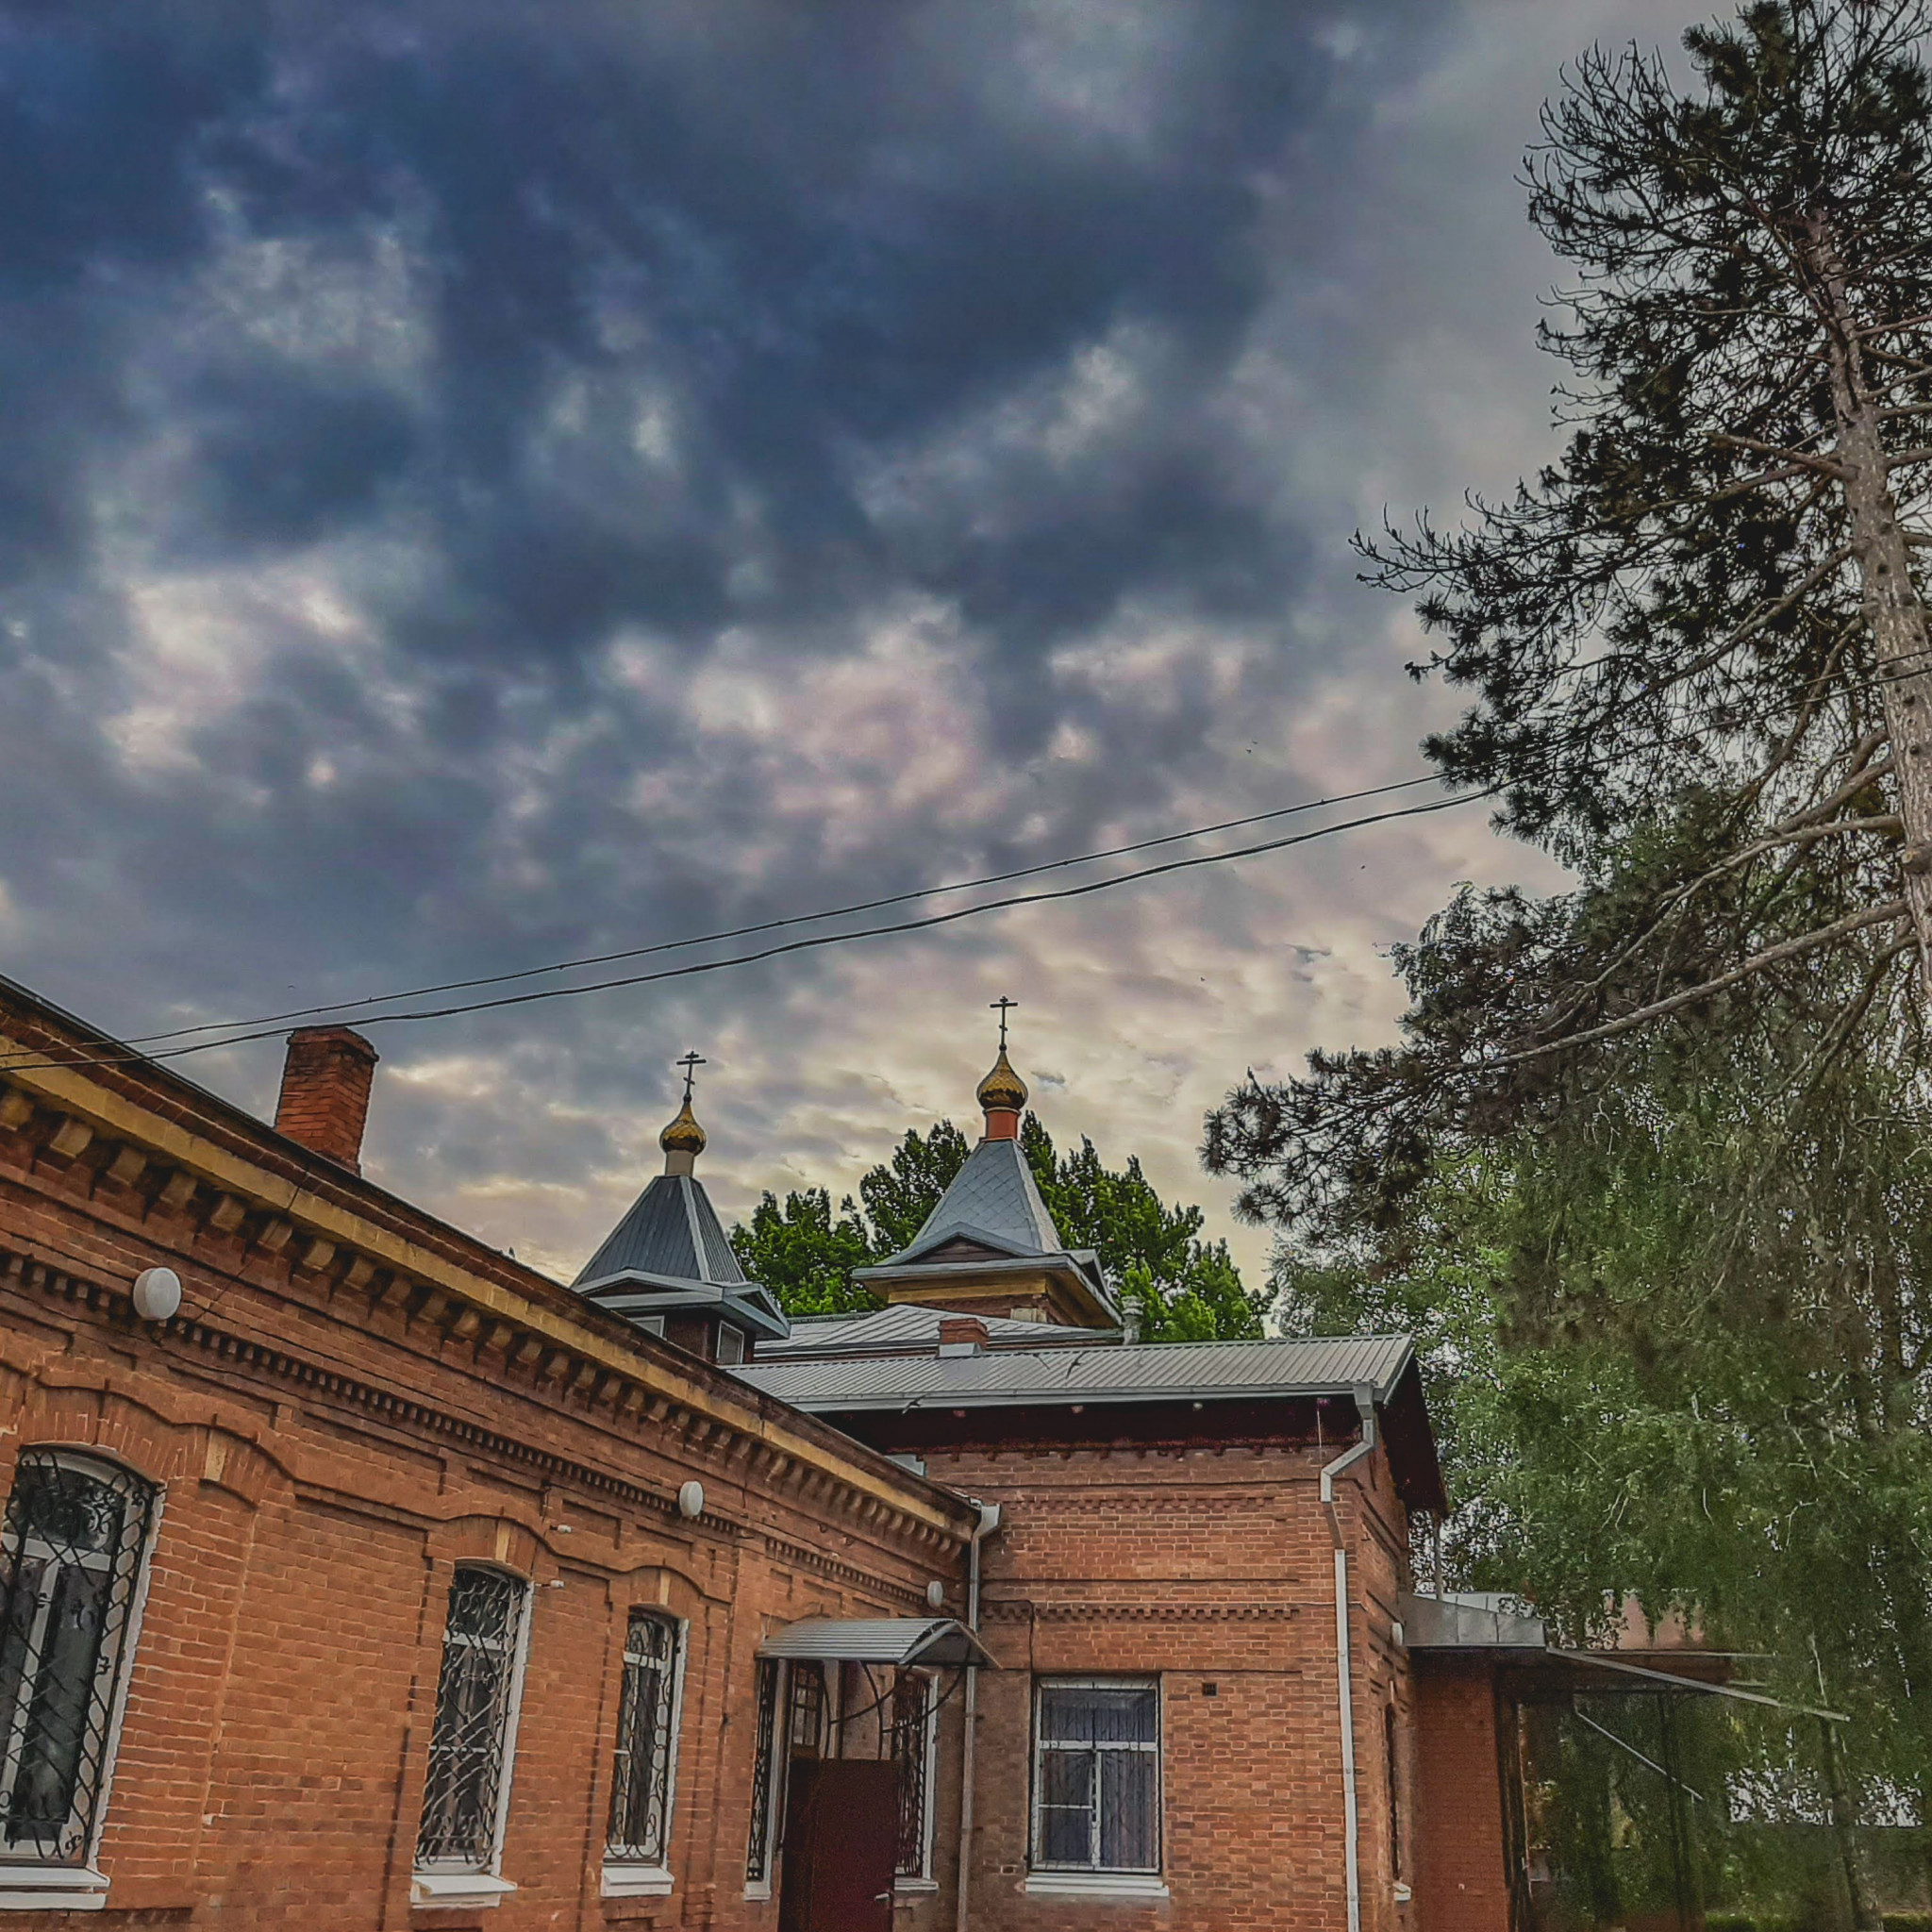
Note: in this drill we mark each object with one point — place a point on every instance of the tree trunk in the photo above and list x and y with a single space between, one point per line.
1844 1829
1901 638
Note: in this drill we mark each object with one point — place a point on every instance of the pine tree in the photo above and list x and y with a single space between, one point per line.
1710 592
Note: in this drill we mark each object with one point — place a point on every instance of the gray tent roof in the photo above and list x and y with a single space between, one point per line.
1151 1372
993 1200
671 1234
670 1252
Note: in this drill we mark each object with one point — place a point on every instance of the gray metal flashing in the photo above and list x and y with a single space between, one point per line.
1061 1263
1465 1621
1154 1372
912 1329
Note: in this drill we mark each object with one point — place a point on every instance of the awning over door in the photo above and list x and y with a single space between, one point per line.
894 1641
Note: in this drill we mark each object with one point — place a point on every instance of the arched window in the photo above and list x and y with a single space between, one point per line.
640 1788
466 1790
72 1553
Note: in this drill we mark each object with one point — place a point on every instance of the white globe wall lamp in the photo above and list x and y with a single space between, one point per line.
156 1293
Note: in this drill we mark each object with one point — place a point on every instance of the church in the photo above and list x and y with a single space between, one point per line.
353 1575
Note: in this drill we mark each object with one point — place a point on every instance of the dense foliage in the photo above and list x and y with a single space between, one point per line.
1183 1288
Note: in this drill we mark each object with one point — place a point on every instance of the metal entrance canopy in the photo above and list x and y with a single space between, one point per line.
899 1640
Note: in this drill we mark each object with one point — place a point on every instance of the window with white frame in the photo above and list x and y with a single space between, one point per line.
467 1787
641 1785
73 1552
914 1721
764 1777
1096 1775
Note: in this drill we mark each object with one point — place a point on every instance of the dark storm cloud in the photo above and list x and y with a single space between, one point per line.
486 482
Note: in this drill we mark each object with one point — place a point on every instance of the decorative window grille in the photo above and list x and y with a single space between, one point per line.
646 1740
913 1712
758 1855
1096 1775
476 1707
72 1550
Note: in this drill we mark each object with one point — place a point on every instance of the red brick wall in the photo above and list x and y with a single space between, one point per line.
331 1440
1461 1883
1207 1566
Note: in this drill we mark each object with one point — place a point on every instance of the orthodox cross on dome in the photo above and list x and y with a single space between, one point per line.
1002 1093
683 1140
1003 1006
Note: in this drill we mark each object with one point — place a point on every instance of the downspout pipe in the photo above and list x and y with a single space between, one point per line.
1344 1688
969 1739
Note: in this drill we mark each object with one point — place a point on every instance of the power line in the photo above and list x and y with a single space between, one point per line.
800 945
738 932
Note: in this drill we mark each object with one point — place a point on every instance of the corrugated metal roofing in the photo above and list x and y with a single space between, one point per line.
994 1194
902 1640
905 1325
1147 1372
671 1232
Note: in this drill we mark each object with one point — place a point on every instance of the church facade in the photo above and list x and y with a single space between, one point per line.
353 1574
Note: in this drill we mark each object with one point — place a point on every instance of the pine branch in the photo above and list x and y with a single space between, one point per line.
1771 955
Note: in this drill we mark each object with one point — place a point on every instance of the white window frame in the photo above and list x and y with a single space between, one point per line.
923 1880
638 1877
1043 1875
29 1885
446 1882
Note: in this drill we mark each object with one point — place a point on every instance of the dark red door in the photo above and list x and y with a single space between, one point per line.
841 1832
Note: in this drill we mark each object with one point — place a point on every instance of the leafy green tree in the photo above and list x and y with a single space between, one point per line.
899 1195
1183 1288
1676 1315
804 1254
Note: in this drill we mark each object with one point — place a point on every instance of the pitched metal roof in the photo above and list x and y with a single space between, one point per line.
907 1327
993 1200
903 1641
1199 1370
670 1234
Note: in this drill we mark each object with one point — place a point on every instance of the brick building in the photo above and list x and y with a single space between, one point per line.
355 1576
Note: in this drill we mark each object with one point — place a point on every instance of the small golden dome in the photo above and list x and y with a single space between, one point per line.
684 1135
1002 1088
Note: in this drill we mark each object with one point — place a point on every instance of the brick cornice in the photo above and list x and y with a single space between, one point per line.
336 1383
348 1222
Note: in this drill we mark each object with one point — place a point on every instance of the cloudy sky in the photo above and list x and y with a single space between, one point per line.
490 483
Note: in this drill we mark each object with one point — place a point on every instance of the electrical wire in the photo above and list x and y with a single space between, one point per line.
736 932
789 946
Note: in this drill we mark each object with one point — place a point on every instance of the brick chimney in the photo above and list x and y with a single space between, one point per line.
324 1100
962 1335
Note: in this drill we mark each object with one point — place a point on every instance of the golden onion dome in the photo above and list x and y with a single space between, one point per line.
684 1135
1002 1088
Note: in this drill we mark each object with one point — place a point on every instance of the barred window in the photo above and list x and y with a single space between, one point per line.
758 1857
71 1557
914 1711
1096 1775
468 1783
641 1789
